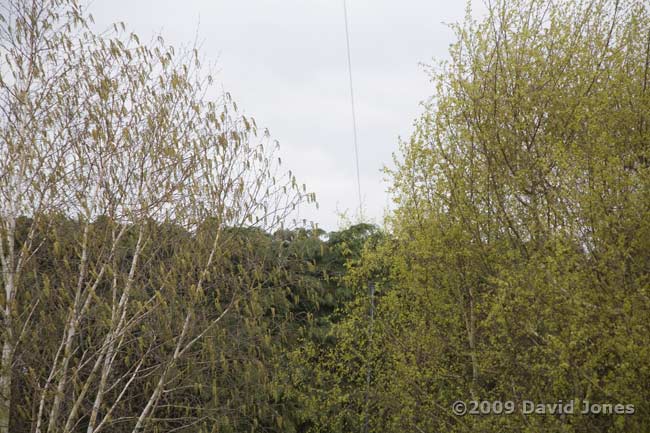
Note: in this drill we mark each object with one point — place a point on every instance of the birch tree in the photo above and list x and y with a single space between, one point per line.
36 69
118 137
519 258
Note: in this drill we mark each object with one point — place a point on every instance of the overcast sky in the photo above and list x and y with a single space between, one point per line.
284 62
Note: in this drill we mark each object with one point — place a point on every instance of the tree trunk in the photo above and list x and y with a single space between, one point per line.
9 279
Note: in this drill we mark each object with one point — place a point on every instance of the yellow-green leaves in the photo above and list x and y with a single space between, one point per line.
518 263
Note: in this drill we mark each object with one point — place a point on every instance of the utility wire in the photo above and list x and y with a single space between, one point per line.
356 155
354 115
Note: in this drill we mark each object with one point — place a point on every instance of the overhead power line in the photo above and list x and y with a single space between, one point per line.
354 115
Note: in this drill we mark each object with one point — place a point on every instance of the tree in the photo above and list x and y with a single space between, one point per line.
109 151
519 249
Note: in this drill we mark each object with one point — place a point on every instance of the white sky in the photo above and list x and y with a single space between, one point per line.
285 64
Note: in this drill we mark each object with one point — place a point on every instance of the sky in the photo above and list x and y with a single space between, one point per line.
285 63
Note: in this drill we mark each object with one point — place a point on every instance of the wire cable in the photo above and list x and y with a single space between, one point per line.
354 115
